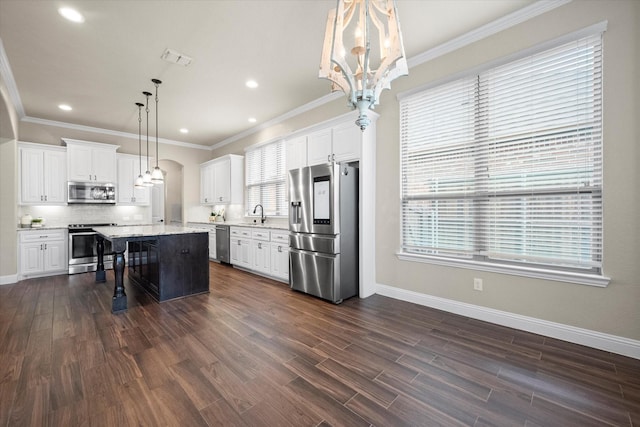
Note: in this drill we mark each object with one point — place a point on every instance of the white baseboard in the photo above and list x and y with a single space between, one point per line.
599 340
7 280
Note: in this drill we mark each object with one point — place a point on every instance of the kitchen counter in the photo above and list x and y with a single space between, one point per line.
45 227
167 261
268 225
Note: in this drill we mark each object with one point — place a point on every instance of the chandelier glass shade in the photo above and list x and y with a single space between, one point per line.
157 176
363 52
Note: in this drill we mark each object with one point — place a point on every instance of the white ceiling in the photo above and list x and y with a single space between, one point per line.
101 67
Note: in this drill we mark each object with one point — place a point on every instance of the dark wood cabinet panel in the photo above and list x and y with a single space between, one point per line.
171 266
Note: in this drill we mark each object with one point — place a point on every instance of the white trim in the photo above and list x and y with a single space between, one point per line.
515 270
501 24
108 132
10 82
607 342
9 279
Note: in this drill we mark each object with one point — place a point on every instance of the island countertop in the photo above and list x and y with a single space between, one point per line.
119 232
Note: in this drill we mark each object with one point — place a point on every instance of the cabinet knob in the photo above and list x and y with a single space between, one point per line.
41 198
259 245
279 248
45 198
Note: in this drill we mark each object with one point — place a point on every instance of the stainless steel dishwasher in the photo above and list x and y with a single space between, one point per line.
222 243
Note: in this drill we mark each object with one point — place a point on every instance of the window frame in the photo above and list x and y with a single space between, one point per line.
573 275
279 180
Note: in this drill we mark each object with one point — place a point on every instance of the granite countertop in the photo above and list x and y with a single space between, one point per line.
272 226
144 231
44 227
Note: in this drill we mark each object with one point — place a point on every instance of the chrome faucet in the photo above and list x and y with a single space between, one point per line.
262 217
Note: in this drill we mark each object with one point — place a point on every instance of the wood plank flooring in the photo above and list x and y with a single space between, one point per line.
254 353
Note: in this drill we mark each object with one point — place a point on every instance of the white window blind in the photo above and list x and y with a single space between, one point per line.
506 166
266 179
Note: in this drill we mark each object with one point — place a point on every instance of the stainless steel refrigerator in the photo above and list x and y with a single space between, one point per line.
323 225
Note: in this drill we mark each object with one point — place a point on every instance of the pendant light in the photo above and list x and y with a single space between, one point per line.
147 175
139 180
156 175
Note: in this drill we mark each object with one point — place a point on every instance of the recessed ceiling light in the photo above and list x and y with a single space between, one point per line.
71 14
184 130
252 120
252 84
65 107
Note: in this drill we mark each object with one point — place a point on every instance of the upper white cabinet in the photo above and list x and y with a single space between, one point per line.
90 161
346 142
222 180
339 140
128 171
319 148
296 153
43 174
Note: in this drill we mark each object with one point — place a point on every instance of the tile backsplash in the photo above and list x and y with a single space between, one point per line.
87 214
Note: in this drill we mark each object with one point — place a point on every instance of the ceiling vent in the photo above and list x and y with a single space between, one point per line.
175 57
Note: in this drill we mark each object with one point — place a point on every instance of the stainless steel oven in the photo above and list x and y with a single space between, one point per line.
83 253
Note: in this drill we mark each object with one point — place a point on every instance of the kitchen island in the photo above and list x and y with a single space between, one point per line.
167 261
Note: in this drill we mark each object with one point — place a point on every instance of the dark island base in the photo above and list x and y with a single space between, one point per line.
170 267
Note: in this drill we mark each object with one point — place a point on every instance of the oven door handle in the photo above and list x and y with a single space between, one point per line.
89 233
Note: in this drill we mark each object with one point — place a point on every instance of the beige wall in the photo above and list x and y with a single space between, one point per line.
8 186
613 310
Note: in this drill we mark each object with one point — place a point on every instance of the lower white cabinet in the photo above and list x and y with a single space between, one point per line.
280 260
212 244
261 250
43 252
240 247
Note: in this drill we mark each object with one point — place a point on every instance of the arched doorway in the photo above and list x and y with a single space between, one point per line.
169 204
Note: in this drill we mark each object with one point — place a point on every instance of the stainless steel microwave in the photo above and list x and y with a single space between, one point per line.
91 192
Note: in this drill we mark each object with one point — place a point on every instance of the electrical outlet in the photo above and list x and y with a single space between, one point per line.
477 284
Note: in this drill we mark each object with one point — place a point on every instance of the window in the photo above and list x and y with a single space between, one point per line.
266 179
505 166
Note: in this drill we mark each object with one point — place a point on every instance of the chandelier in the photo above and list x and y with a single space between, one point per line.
363 52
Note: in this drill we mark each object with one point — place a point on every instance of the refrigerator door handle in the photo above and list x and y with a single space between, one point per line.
295 212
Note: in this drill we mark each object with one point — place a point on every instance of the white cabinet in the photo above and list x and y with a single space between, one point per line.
319 148
260 251
43 252
128 171
296 153
240 247
90 161
206 184
212 244
222 180
340 143
42 174
346 141
279 251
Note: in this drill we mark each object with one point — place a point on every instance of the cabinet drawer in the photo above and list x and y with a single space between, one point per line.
280 237
41 235
260 235
240 232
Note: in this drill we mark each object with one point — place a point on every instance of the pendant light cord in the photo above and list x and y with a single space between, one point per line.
139 137
147 94
156 82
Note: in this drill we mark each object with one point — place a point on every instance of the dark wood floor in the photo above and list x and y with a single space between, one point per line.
253 352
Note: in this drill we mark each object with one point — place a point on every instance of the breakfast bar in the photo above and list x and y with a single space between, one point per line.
167 261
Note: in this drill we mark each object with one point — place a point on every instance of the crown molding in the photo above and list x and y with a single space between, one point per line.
110 132
501 24
10 82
